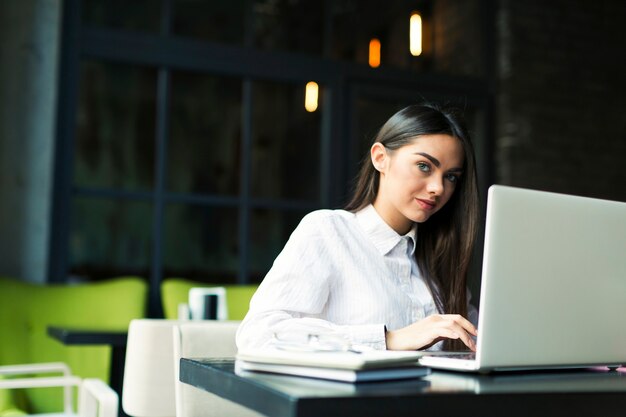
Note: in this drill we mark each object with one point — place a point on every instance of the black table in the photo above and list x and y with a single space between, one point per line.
115 339
548 393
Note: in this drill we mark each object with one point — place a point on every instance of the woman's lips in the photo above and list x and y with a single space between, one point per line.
426 204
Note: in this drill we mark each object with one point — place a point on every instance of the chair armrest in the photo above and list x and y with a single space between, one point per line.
40 382
66 381
95 391
36 368
96 399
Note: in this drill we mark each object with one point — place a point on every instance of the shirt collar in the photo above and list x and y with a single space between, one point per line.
380 233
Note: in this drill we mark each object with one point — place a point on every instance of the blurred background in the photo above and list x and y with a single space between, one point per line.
170 138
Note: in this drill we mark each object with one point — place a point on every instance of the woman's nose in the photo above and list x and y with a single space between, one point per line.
435 186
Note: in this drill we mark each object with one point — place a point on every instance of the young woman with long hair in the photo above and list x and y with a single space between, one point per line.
389 271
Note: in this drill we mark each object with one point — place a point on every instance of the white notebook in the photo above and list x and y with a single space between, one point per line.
335 374
332 359
374 365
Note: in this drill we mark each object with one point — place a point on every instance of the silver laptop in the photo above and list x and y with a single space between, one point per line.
553 289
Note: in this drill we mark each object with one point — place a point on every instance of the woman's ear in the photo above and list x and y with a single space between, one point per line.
378 154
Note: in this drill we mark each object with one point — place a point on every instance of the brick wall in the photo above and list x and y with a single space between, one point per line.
457 42
561 96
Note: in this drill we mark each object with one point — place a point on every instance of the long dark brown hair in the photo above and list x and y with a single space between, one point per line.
446 239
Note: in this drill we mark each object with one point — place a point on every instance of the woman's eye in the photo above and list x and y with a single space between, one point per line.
422 166
452 178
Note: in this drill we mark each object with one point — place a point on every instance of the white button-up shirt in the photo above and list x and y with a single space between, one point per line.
340 272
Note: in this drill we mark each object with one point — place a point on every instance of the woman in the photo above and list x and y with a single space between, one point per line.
389 271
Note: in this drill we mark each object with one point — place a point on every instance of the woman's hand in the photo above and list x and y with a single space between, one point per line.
432 329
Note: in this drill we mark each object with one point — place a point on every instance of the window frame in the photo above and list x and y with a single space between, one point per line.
166 52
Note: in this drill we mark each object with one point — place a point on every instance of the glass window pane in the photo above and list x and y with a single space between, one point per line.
110 238
201 243
216 21
205 134
288 25
354 24
115 126
350 32
269 231
140 15
286 143
371 113
277 25
451 33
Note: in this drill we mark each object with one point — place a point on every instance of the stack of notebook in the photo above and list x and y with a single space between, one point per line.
338 366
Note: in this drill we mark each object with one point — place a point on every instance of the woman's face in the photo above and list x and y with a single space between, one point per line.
416 180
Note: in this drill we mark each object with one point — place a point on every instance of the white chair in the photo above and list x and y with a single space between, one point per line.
95 398
209 338
153 351
148 388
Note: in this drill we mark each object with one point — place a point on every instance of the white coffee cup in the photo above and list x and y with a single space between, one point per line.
207 302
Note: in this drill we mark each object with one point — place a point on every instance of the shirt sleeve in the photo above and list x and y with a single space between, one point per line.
292 297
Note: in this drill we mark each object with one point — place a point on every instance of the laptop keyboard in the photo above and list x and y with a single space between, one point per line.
465 356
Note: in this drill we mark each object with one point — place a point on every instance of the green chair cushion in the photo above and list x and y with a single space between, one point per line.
26 311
